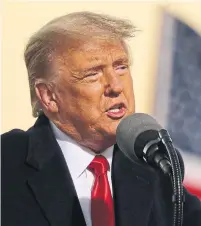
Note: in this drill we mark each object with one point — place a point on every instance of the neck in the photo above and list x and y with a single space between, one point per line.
95 142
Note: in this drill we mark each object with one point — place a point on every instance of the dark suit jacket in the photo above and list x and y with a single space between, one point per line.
37 189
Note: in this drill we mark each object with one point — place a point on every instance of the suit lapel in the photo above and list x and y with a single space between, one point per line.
132 184
51 183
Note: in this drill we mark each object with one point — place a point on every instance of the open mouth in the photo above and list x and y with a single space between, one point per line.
117 111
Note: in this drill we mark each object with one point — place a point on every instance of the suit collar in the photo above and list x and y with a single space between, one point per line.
40 151
52 184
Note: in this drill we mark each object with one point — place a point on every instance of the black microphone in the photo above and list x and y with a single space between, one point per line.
138 138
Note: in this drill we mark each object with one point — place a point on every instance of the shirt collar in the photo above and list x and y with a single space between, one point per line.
77 156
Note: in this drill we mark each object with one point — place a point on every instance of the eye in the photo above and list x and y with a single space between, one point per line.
92 74
122 67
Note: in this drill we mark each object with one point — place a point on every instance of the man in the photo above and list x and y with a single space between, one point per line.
66 169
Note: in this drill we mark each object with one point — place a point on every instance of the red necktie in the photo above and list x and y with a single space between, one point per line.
102 210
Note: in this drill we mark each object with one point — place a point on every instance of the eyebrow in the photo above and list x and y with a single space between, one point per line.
121 60
94 68
100 65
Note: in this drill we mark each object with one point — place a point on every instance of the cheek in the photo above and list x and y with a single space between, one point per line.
86 100
128 86
129 93
89 95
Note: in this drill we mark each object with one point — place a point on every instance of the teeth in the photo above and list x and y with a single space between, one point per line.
114 110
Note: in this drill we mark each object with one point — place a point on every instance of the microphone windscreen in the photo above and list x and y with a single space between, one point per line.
130 128
134 132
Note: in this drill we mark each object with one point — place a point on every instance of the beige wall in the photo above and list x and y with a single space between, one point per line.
21 19
190 13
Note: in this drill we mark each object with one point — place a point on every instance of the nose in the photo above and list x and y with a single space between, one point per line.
113 85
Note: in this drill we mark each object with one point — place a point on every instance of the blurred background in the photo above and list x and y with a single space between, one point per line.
166 53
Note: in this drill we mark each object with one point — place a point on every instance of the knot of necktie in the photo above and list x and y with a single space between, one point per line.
99 165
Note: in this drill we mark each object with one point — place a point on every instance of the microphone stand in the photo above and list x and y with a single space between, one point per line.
176 178
169 163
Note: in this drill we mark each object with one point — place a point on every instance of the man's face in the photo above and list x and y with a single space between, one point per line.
94 92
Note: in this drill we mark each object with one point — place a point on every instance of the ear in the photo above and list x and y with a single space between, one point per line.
46 97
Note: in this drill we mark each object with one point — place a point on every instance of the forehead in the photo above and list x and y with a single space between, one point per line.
95 51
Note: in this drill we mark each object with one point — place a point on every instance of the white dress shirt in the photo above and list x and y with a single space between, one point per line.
78 158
